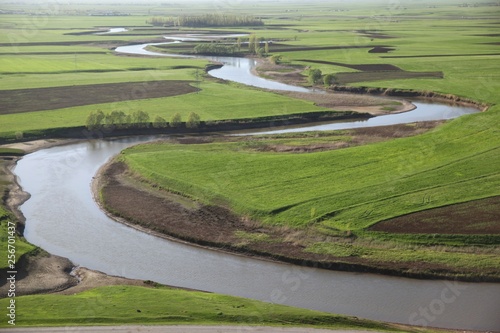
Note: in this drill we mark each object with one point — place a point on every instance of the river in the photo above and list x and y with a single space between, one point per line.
62 217
241 70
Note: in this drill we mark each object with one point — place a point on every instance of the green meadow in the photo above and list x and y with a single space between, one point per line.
168 306
339 186
214 102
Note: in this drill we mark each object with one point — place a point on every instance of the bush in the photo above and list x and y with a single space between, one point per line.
276 59
176 120
193 120
160 122
315 76
329 79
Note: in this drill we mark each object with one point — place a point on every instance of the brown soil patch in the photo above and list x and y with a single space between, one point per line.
476 217
89 279
43 273
443 55
157 212
360 103
379 49
28 100
357 137
281 73
46 273
362 67
277 47
346 78
487 35
369 72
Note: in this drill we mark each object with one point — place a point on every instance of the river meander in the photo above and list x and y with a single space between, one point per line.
62 217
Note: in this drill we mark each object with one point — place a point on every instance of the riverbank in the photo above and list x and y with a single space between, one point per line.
139 202
40 272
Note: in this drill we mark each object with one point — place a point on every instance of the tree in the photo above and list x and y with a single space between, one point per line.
251 43
315 75
276 59
140 119
115 119
94 120
238 43
176 120
159 122
193 120
260 51
215 49
266 48
329 79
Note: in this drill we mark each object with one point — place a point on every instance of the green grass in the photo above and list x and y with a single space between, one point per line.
21 246
11 152
68 63
214 102
348 189
167 306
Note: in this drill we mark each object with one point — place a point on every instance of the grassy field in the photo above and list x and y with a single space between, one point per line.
214 102
161 305
383 179
344 192
348 191
325 202
167 306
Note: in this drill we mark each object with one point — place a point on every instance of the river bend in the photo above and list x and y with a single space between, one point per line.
62 218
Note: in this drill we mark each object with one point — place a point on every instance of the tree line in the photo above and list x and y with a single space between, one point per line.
216 48
316 76
254 45
97 120
207 20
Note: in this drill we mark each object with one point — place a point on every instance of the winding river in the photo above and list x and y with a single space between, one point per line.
62 217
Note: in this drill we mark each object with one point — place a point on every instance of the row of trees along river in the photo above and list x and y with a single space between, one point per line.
137 119
207 20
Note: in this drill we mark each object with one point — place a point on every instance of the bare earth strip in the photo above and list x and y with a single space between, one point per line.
475 217
28 100
165 214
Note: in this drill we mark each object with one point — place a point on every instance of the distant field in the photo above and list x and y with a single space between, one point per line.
27 100
214 102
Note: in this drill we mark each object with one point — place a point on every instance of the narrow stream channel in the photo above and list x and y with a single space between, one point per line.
62 217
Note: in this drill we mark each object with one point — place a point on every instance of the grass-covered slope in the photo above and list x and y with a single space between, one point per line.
325 203
167 306
347 189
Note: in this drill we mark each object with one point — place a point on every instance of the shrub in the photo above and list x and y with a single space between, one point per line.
176 120
193 120
160 122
